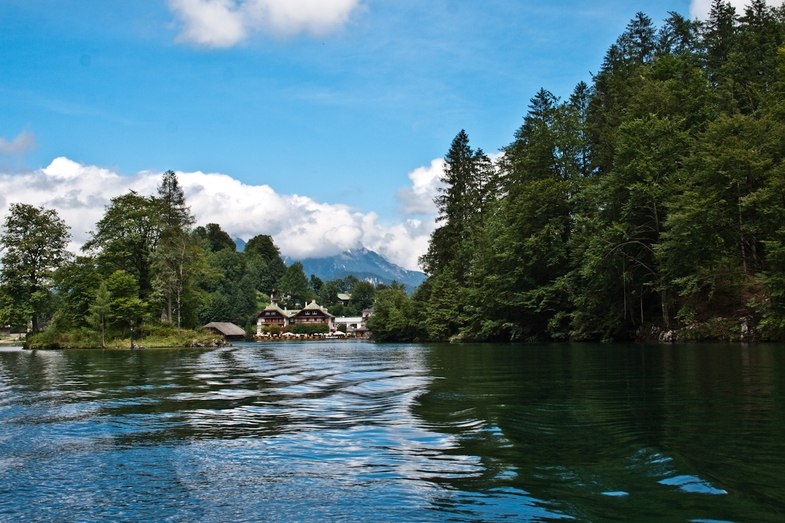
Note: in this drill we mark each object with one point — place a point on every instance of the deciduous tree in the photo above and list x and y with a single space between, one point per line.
125 238
33 244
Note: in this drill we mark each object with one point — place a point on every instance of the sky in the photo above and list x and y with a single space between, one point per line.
322 123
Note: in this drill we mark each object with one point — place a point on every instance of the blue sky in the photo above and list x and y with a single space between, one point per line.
336 110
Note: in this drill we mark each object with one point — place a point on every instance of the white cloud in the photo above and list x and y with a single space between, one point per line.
403 243
78 192
23 143
700 8
300 226
211 23
224 23
426 181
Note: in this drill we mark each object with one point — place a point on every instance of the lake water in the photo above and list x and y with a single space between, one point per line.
352 431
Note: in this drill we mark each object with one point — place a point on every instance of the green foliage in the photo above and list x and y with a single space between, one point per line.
310 329
75 285
714 329
471 187
153 336
363 295
327 294
125 238
33 243
229 288
293 289
13 314
144 266
125 306
459 204
653 198
214 238
263 253
526 244
82 338
650 200
176 262
173 213
176 257
100 310
394 317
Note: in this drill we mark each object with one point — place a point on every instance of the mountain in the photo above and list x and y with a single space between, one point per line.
363 264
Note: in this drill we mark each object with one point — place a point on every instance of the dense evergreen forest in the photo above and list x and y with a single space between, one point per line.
648 205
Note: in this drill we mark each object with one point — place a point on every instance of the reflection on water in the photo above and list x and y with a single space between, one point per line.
356 431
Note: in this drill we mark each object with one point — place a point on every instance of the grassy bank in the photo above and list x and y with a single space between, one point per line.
155 337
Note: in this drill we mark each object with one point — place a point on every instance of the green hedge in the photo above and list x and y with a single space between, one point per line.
310 329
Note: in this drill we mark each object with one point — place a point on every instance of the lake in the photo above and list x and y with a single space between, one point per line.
353 431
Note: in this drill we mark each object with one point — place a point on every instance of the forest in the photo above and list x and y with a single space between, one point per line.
649 205
146 271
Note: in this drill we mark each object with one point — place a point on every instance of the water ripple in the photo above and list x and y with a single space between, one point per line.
356 431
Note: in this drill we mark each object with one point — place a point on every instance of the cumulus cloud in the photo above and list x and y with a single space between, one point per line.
300 226
23 143
224 23
700 8
425 184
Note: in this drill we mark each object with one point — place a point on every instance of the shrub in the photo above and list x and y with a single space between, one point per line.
71 339
310 329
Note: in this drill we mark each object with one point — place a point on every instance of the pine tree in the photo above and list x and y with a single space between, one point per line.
469 187
175 253
458 208
524 253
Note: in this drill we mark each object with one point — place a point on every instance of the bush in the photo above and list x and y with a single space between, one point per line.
161 335
70 339
715 329
310 329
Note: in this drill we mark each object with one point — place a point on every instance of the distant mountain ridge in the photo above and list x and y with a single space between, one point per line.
362 263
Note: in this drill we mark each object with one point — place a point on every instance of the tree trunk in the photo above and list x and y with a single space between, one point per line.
666 319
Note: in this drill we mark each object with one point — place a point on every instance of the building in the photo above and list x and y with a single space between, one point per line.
355 325
351 323
273 315
312 314
229 331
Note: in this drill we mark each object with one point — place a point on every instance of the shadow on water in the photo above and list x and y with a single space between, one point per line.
600 432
